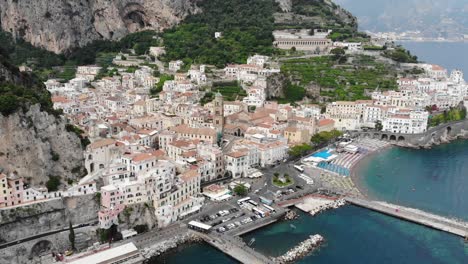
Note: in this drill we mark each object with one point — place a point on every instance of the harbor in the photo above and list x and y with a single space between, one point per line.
456 227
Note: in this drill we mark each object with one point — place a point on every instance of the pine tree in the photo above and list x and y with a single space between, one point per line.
71 237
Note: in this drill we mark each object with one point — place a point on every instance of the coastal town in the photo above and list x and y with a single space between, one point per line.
214 155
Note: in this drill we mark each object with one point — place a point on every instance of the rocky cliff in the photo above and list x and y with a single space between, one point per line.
26 221
34 143
58 25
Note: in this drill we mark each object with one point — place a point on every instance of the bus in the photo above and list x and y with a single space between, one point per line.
271 209
199 226
259 212
253 203
299 168
241 201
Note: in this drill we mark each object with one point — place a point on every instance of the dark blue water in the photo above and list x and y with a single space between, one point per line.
353 235
435 180
356 235
194 254
450 55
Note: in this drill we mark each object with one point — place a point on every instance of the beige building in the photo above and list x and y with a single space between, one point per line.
301 40
295 135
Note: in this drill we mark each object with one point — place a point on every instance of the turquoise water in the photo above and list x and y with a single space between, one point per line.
435 180
323 154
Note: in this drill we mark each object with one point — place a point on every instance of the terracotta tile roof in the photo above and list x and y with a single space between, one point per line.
325 122
237 154
189 175
102 143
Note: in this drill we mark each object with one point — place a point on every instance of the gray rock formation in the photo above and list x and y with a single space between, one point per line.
58 25
138 214
38 218
30 140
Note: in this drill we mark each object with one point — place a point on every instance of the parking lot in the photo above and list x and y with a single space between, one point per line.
236 215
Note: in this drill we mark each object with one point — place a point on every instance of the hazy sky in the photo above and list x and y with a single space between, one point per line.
398 14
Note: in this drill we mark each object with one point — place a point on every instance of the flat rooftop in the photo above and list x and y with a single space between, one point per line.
112 255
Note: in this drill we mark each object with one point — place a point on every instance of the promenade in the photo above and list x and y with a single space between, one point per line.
452 226
235 248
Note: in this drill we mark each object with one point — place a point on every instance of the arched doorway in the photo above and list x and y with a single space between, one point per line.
392 138
384 137
401 138
41 248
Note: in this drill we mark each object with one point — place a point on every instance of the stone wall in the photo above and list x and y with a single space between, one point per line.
22 222
40 250
434 136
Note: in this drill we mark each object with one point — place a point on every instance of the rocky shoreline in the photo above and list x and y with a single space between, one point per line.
172 243
291 215
334 205
301 250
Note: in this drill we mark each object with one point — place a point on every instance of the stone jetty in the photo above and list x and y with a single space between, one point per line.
316 205
301 250
333 205
163 246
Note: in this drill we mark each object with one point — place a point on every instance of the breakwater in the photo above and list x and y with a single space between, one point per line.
453 226
171 243
315 205
301 250
333 205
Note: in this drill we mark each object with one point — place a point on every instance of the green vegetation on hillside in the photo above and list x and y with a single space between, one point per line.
230 90
53 183
159 86
347 81
22 52
320 14
15 97
50 65
453 114
400 54
246 26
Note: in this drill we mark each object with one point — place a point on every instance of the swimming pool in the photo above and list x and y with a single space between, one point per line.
323 154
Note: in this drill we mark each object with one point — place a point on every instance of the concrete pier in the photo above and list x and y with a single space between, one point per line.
236 248
456 227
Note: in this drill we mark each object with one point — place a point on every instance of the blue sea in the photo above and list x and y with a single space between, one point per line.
353 235
450 55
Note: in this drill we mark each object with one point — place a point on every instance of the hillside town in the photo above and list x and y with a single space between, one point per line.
168 136
160 149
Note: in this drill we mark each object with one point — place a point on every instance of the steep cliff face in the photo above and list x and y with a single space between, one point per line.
22 222
58 25
36 145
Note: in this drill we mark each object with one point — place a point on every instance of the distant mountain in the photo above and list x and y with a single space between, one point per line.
434 18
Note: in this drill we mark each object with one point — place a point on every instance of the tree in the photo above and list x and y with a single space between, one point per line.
241 190
53 183
71 236
378 125
338 52
299 150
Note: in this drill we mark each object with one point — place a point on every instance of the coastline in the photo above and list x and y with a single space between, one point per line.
356 179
